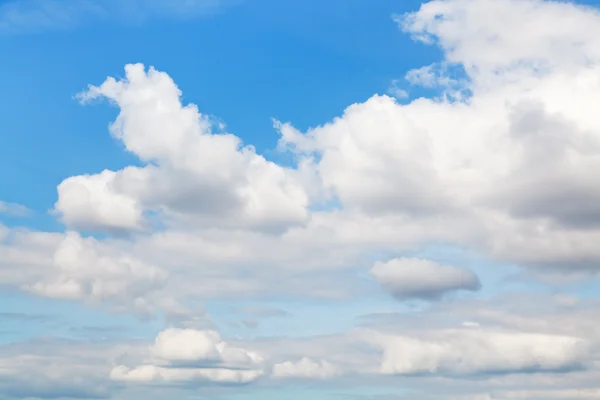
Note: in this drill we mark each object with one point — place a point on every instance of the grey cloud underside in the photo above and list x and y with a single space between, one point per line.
407 279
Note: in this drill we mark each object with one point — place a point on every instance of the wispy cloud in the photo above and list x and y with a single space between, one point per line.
32 16
13 209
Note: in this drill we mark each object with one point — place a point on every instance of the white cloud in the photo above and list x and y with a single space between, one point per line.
503 36
479 351
411 278
14 209
305 368
517 160
89 202
511 172
182 355
191 176
152 373
190 345
69 266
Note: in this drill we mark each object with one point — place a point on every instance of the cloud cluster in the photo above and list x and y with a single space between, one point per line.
184 355
478 351
504 162
514 159
191 175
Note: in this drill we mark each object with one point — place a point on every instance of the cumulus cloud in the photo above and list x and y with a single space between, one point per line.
85 269
515 159
72 267
182 355
411 278
504 161
478 351
189 345
191 176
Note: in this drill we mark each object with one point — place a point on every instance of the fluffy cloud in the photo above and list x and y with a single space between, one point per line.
410 278
183 355
189 345
71 267
513 151
505 162
87 269
476 351
191 176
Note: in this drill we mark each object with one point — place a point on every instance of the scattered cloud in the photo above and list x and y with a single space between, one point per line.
305 368
191 176
410 278
12 209
183 355
504 161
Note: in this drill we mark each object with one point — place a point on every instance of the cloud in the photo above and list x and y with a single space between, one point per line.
32 16
183 355
410 278
305 368
152 373
477 351
191 176
55 369
504 161
513 156
13 209
85 269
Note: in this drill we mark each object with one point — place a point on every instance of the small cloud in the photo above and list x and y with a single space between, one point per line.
418 279
396 91
14 210
306 369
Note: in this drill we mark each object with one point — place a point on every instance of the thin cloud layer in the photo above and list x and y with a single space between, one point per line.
35 16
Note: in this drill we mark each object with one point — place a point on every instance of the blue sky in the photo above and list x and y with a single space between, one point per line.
261 199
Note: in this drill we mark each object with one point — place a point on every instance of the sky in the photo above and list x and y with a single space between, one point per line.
282 200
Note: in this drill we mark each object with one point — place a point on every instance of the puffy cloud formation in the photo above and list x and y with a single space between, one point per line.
191 175
182 355
477 351
410 278
504 162
512 150
305 368
87 269
189 345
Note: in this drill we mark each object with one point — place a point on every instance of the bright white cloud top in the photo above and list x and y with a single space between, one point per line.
502 162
